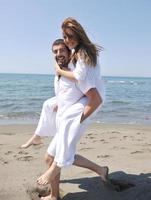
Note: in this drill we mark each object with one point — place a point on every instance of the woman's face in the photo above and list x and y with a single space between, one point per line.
70 38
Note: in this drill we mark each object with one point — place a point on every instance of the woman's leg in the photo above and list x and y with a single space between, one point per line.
46 125
34 140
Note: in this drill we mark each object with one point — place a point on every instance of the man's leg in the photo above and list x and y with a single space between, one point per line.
81 161
54 185
50 175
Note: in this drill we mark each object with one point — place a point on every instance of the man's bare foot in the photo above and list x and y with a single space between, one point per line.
103 172
34 140
49 198
49 175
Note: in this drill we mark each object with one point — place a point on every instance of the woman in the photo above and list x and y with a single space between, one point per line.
86 76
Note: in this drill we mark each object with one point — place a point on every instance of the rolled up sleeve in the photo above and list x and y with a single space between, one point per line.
80 70
89 81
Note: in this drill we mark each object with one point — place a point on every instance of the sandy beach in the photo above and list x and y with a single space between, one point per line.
126 149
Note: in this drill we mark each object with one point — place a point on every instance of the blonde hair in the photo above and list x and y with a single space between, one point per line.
85 50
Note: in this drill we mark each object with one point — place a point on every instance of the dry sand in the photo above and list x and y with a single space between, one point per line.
126 149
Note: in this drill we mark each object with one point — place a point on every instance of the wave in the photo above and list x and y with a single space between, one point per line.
6 105
116 81
18 115
119 102
126 82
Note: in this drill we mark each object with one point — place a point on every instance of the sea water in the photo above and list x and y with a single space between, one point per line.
128 99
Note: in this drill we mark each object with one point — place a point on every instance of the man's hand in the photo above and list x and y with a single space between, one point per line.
94 101
55 108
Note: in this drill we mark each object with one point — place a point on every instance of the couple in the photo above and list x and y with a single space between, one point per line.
79 94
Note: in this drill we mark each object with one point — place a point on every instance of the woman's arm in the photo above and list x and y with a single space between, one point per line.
65 73
78 74
94 100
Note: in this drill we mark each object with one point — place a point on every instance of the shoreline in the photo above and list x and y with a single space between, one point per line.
125 148
91 124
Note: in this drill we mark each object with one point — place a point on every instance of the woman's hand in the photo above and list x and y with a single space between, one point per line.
65 72
58 69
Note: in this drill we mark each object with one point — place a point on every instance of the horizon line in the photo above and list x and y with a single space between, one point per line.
26 73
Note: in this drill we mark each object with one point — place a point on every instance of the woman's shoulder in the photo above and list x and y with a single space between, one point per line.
71 66
81 62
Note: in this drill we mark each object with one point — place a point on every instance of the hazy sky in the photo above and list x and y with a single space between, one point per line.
122 27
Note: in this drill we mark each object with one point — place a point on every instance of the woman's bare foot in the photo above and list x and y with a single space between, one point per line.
49 175
34 140
103 172
49 198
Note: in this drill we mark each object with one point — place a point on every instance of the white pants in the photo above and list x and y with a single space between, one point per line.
69 132
47 122
67 129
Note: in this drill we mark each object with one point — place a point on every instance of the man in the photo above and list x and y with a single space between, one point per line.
64 87
46 125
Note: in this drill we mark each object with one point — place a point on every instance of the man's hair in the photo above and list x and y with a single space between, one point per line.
58 42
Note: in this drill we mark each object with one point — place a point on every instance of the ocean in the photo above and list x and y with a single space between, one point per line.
128 99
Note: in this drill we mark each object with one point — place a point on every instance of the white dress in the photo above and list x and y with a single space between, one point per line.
71 103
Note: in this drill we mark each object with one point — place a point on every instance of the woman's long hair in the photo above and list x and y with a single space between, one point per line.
85 50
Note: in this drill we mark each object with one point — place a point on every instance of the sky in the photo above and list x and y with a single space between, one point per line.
122 27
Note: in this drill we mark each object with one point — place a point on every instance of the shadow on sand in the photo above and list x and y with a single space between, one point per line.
122 186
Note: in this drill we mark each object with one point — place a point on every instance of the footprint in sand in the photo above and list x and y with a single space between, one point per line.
125 136
83 149
116 132
123 148
92 137
146 144
25 158
35 193
113 137
8 134
3 161
8 152
135 152
23 152
82 142
139 140
140 133
103 156
115 147
105 142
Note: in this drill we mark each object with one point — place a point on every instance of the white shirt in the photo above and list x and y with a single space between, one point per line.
89 77
66 91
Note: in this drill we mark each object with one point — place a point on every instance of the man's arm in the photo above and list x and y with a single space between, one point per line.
94 100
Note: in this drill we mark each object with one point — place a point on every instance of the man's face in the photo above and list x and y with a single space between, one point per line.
61 54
